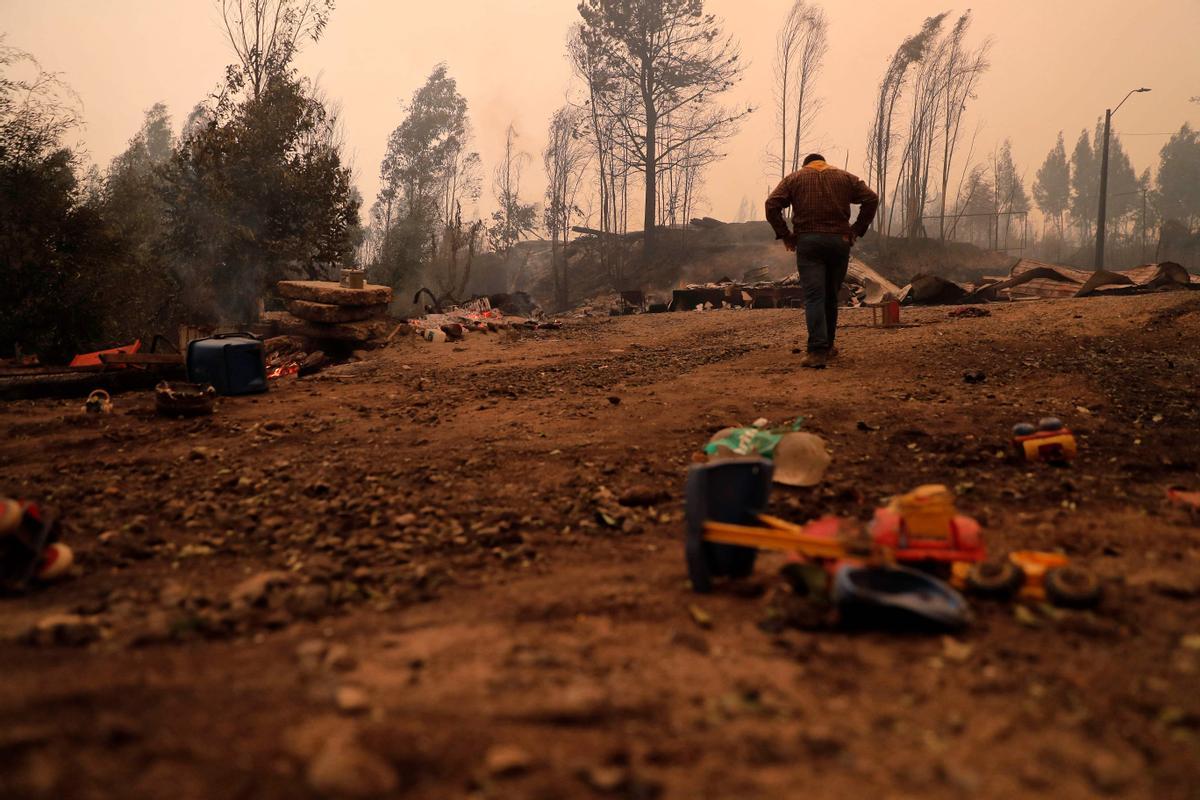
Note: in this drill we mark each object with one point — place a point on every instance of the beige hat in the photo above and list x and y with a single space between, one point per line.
801 459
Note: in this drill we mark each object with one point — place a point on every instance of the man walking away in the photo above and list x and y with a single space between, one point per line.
820 197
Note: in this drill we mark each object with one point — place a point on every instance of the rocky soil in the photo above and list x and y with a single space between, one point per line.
456 571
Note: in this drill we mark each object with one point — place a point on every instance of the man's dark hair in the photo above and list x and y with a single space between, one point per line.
811 157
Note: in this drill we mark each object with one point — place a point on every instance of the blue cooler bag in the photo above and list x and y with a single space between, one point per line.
233 363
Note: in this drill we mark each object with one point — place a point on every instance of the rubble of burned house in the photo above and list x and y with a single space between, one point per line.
863 286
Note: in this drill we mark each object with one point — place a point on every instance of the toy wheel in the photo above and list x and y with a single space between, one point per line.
1023 429
706 560
1050 424
699 570
1072 587
999 579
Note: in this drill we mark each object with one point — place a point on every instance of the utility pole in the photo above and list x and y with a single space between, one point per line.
1103 193
1108 115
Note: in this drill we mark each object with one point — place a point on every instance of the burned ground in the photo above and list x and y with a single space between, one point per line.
461 566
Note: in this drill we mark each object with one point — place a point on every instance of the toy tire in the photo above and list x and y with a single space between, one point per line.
1024 429
1072 587
698 567
1050 424
998 579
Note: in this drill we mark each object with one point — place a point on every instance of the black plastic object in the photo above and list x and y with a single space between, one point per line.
232 363
896 598
736 491
21 548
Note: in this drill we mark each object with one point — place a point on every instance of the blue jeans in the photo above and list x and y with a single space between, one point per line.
821 261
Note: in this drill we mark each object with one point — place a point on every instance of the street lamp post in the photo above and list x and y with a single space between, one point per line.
1108 115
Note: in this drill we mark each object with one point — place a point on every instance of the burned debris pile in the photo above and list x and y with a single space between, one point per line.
1028 280
481 315
863 286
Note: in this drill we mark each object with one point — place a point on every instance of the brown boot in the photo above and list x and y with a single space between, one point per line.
815 359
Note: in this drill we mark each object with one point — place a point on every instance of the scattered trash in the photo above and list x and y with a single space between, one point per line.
970 311
956 651
1050 441
974 376
740 442
700 616
29 546
866 426
184 399
801 459
1025 617
98 402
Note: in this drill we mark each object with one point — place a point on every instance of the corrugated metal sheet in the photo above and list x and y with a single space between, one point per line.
1053 280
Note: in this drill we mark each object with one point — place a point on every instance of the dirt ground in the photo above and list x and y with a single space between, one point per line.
451 571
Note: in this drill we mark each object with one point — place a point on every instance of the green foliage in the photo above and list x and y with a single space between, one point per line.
257 194
655 66
1008 184
140 286
1052 189
1179 177
53 249
1085 184
426 173
1123 183
53 244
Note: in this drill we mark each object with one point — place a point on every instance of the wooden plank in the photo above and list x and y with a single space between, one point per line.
287 324
326 312
333 293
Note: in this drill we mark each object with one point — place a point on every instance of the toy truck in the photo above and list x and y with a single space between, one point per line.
923 527
1050 441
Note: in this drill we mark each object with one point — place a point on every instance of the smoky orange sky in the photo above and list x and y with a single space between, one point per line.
1056 65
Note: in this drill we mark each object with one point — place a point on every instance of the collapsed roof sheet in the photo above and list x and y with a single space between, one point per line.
876 285
1031 278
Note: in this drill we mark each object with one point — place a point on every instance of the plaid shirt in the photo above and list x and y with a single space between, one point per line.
820 197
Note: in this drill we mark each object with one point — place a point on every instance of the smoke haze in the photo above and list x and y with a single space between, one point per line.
1055 66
